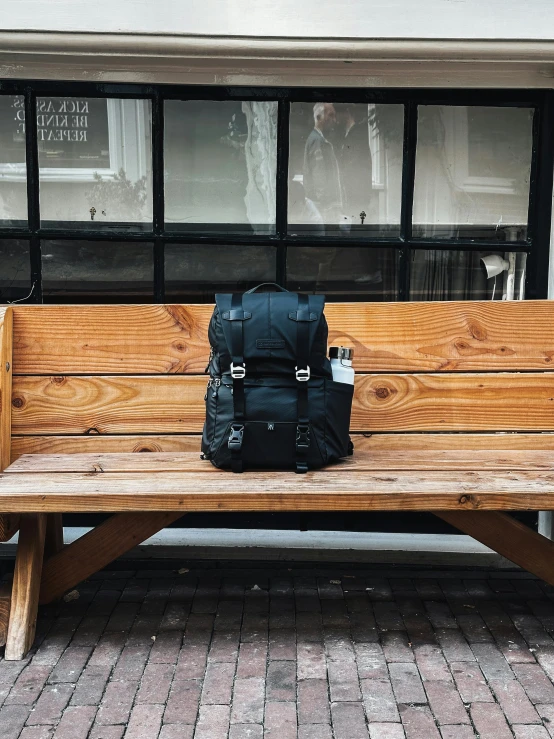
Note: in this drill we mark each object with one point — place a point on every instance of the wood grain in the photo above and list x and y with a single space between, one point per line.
334 489
98 548
26 584
374 461
53 540
508 537
8 525
169 404
387 337
5 604
99 443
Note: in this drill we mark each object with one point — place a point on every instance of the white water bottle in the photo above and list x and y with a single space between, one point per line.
341 364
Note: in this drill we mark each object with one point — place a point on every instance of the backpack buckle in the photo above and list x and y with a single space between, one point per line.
238 372
302 436
235 437
302 375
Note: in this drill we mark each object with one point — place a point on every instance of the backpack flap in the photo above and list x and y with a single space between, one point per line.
270 323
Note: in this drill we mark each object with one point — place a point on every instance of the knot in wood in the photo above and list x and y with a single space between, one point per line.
465 499
382 392
18 402
477 331
179 346
58 380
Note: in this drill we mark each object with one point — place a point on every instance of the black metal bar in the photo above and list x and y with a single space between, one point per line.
431 96
159 271
540 200
403 275
408 171
158 165
282 188
33 194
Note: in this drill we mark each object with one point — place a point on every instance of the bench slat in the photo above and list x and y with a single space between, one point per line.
165 404
387 337
273 491
114 443
374 461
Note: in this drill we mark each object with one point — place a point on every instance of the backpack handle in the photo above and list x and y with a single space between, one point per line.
263 284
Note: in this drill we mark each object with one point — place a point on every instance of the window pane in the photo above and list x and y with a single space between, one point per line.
472 172
95 159
344 273
83 271
13 169
197 273
220 165
345 169
463 275
15 270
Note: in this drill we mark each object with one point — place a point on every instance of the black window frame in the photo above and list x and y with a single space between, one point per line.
536 245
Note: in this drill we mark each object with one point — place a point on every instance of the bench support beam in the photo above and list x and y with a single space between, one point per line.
26 585
5 603
507 536
93 551
53 542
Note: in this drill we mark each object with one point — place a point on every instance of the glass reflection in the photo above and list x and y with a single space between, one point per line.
220 165
345 169
473 167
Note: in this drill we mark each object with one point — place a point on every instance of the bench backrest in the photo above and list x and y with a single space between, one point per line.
131 378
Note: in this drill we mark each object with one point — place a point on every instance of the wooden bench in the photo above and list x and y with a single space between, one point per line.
453 414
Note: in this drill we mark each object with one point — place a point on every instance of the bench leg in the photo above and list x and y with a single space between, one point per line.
53 542
26 585
9 524
93 551
5 603
507 536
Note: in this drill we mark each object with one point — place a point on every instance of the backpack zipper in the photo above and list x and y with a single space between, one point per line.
212 355
214 382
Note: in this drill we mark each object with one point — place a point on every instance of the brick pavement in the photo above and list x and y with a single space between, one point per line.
226 652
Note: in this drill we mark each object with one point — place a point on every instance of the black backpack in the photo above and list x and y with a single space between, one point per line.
271 402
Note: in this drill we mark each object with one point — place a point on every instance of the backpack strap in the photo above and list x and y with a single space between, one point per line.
238 372
302 319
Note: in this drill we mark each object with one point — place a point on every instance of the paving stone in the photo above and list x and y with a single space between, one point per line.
280 720
313 702
546 712
91 686
176 731
530 732
348 721
75 723
454 646
166 647
155 684
145 722
460 731
183 702
517 707
248 701
12 720
343 681
282 644
281 681
28 685
418 722
71 664
117 702
396 646
471 682
37 732
386 731
489 721
371 663
252 661
406 683
314 731
310 658
431 663
107 732
538 687
218 683
52 701
379 701
446 704
246 731
213 723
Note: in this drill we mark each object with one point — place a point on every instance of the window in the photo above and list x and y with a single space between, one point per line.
171 193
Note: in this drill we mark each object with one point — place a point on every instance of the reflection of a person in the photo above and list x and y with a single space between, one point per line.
321 170
355 159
